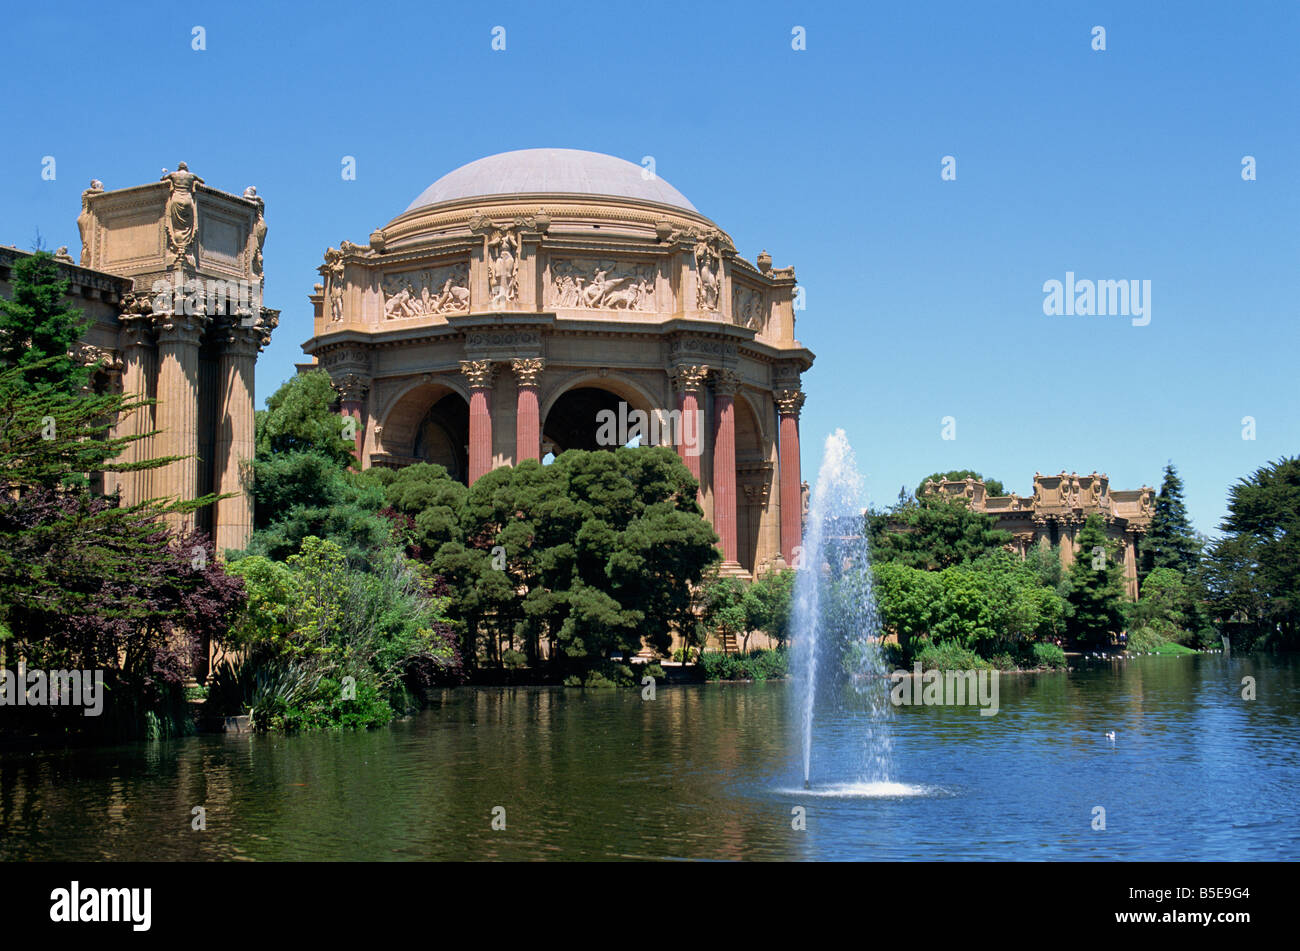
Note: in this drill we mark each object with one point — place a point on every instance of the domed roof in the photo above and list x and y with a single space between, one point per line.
561 171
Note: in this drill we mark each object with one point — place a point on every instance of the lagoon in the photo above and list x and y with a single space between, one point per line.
709 772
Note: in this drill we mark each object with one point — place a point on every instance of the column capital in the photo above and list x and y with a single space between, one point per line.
726 382
240 338
527 370
688 378
480 373
352 387
790 402
180 328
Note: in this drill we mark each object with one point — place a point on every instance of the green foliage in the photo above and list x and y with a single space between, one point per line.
768 604
948 655
1095 593
1253 572
1168 607
1048 655
758 665
1170 541
300 417
313 624
593 554
38 329
994 605
932 533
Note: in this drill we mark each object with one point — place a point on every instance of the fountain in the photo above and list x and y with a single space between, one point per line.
837 663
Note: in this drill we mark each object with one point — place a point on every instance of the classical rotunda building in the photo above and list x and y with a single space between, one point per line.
551 299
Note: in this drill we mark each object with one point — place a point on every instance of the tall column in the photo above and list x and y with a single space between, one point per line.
352 389
725 385
689 438
479 373
528 421
234 449
178 411
135 343
1130 565
1066 529
788 405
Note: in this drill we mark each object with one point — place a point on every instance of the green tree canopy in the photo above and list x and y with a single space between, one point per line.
933 533
299 417
1253 573
1170 542
38 329
1095 586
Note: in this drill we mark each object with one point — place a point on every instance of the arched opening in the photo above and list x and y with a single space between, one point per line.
442 437
596 417
428 423
574 419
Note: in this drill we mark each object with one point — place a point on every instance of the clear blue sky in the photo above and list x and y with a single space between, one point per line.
924 297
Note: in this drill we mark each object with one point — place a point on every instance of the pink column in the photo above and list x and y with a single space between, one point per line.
528 421
480 374
352 392
689 437
724 463
788 403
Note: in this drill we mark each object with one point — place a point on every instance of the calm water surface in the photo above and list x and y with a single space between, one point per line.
708 772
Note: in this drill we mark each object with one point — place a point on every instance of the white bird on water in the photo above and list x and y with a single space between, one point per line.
1111 736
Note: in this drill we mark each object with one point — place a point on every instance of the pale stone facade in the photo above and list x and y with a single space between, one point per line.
1056 512
193 351
524 294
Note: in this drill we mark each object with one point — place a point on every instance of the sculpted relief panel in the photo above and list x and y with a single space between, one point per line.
602 284
438 290
747 308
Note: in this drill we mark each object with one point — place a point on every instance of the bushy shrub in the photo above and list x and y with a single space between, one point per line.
512 659
948 656
760 665
1048 655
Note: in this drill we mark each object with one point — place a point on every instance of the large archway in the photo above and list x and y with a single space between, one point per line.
427 423
442 437
579 417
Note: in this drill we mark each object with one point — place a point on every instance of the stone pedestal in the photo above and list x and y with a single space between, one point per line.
789 403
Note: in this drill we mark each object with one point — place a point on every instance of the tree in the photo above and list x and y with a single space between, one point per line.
991 486
1170 542
38 329
769 604
299 417
85 582
933 533
1253 573
1096 590
723 608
